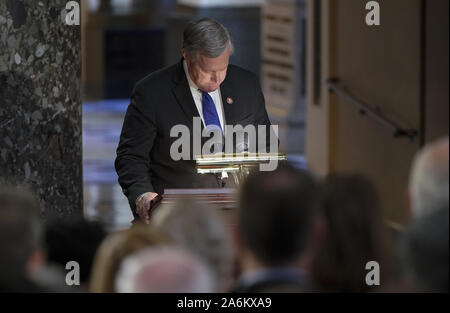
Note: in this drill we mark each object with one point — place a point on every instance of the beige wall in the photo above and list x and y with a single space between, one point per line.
437 52
92 25
318 145
380 65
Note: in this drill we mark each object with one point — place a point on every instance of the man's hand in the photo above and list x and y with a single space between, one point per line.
143 206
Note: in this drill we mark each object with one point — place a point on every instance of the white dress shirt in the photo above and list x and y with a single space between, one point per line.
197 95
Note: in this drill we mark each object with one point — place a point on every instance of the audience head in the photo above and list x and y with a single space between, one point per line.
355 235
20 236
164 270
200 230
424 252
114 249
276 210
428 185
74 239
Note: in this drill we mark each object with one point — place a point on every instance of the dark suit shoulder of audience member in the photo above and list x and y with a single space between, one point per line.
288 280
21 285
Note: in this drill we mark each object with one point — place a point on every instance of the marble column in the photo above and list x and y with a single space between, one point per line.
40 104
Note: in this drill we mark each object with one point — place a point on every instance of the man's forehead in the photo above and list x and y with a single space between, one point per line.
214 64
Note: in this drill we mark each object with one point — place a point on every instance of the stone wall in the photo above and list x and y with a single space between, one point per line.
40 104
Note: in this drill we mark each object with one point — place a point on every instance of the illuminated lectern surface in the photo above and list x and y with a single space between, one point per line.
236 164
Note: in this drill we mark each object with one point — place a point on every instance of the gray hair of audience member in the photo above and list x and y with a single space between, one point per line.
199 229
207 37
21 230
163 269
428 185
424 252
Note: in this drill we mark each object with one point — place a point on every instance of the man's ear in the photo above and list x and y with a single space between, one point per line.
237 239
408 204
319 233
36 260
320 229
185 56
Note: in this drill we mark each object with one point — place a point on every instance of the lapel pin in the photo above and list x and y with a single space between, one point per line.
229 100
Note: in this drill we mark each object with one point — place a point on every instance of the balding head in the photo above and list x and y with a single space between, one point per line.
428 185
163 270
199 229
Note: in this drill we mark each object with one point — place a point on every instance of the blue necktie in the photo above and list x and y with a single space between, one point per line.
210 115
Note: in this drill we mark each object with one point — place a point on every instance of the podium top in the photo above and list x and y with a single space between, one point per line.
223 198
234 162
239 158
206 191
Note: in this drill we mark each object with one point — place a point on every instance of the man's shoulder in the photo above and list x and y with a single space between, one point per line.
239 72
158 78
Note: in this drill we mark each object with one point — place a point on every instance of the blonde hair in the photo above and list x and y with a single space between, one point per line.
114 250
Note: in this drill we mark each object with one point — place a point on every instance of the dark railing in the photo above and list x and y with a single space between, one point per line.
374 113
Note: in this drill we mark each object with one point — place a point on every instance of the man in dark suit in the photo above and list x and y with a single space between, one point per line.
201 85
278 230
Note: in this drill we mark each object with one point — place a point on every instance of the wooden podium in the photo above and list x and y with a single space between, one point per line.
222 199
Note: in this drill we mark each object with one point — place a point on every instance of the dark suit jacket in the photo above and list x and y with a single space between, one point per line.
160 101
274 281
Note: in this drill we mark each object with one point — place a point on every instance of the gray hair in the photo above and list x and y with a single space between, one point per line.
163 270
429 179
199 229
207 37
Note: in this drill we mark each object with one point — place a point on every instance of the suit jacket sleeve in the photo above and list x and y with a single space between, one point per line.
136 141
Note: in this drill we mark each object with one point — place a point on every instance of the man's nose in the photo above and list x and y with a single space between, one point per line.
214 77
